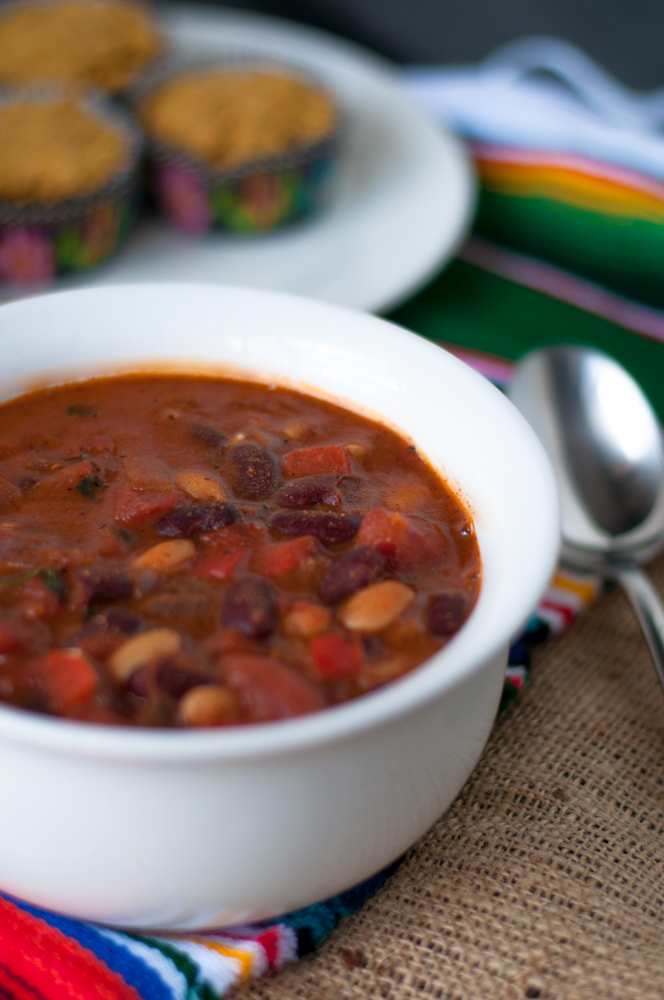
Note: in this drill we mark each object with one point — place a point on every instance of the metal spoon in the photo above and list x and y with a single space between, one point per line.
606 448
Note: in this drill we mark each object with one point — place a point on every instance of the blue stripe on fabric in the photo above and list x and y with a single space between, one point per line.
136 973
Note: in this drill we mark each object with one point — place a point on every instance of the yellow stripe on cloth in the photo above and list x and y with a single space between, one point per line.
575 187
244 957
585 587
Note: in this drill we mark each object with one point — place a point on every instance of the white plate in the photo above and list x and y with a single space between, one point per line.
402 206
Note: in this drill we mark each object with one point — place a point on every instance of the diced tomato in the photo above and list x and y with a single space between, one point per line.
316 461
338 654
300 555
268 689
409 541
68 678
38 600
235 536
221 565
14 634
132 507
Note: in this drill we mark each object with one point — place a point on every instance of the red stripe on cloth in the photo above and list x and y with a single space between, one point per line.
567 613
53 965
14 988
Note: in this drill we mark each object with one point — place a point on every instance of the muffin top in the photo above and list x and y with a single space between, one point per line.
229 118
53 150
99 43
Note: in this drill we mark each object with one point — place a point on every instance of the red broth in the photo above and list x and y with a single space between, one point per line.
178 550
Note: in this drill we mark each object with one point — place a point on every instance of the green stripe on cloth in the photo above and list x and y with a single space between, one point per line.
473 308
624 252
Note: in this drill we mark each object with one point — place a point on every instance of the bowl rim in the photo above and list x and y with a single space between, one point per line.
408 694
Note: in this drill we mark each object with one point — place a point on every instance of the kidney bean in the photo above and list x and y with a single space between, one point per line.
175 679
120 620
255 471
249 607
183 521
138 683
310 490
447 612
351 572
208 435
105 584
328 526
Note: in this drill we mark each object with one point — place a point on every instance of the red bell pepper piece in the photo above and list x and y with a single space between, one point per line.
68 678
338 654
316 461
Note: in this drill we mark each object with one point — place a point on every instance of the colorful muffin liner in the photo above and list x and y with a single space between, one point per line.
256 197
39 241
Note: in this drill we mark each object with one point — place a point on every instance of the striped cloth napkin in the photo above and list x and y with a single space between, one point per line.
571 163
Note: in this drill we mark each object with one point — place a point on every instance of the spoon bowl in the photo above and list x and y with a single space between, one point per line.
606 447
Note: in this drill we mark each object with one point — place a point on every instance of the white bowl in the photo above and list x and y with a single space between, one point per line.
172 829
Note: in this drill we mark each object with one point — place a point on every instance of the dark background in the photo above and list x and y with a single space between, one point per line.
626 36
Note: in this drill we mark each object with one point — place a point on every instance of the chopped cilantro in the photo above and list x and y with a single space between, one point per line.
55 582
90 486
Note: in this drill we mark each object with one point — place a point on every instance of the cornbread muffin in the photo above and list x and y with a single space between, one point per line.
53 150
68 183
244 147
229 119
100 43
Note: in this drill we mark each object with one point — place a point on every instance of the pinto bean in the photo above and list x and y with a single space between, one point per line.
183 521
249 607
330 527
106 584
310 490
166 556
143 648
351 572
447 612
207 705
255 471
198 486
374 608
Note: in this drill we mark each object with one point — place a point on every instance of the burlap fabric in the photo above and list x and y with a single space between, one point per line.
546 877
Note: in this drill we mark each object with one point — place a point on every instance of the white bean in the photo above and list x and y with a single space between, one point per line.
374 608
306 618
166 556
206 705
198 486
142 649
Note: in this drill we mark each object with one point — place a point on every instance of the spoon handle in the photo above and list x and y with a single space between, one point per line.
649 610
